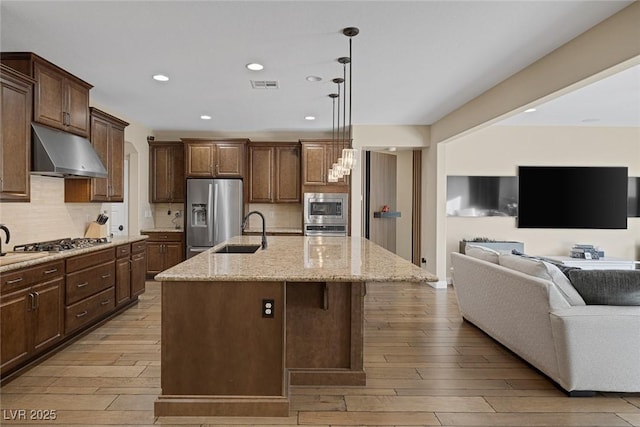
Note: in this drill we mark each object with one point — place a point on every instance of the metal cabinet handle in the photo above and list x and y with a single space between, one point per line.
53 270
105 302
32 302
82 285
105 276
11 282
84 313
37 299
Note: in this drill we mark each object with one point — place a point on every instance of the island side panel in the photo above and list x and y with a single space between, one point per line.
324 333
215 341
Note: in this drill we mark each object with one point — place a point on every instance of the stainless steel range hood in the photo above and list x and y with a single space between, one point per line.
61 154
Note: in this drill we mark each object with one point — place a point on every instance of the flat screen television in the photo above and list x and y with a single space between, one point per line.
572 197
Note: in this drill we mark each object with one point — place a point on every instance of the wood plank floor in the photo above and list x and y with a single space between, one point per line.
425 367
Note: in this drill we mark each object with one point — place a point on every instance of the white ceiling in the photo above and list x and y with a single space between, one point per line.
413 61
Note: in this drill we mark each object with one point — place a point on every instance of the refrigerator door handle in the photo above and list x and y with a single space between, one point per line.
210 213
215 213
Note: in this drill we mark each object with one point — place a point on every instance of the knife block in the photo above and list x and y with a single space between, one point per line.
95 231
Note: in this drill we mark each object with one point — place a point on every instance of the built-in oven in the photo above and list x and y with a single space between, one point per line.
326 214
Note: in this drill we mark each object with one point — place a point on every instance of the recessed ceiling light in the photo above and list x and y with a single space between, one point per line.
529 110
309 118
590 120
392 149
205 117
161 78
254 66
313 78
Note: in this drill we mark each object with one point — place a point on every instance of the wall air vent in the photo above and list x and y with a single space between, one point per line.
264 84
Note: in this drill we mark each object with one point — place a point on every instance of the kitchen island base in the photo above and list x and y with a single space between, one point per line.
227 355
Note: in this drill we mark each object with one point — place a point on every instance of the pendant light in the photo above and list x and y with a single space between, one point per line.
332 176
349 153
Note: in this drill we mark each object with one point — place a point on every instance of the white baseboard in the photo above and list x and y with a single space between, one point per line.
440 284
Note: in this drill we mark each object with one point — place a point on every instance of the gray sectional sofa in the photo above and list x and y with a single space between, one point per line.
531 308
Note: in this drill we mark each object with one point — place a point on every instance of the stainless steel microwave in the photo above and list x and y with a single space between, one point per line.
326 208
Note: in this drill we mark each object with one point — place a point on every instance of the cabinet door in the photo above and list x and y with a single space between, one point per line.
177 174
314 167
138 265
200 160
230 160
287 179
160 173
15 145
15 328
77 108
100 142
173 254
261 170
49 98
49 314
155 257
123 280
116 164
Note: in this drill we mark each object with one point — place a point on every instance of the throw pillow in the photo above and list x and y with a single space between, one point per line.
607 287
480 252
543 270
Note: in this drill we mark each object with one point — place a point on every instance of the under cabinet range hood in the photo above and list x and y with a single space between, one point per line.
62 154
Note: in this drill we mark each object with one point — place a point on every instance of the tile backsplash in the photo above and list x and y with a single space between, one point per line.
277 215
46 216
165 215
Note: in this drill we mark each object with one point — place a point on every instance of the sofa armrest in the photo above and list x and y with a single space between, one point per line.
598 347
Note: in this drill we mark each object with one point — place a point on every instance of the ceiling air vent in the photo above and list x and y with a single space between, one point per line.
264 84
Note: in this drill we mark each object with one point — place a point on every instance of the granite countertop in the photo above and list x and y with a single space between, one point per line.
300 259
282 230
53 256
162 230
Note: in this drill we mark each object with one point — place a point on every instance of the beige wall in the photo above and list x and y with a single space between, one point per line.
499 150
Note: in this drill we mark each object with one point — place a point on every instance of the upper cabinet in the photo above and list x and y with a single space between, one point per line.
317 158
214 158
107 138
274 172
60 99
15 146
166 172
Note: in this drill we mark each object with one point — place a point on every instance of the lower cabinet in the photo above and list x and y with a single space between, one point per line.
43 305
31 313
164 250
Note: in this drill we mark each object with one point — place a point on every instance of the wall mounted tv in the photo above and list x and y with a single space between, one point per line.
572 197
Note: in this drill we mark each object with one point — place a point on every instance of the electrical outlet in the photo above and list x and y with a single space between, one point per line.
268 308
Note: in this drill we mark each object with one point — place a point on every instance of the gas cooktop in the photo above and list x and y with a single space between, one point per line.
60 244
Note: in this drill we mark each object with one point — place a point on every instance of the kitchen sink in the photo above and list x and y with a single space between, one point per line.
238 249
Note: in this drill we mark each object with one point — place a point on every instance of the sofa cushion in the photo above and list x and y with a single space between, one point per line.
543 270
607 287
481 252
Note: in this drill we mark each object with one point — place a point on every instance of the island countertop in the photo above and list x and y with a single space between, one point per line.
300 259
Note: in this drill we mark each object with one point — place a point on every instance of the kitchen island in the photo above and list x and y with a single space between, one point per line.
239 328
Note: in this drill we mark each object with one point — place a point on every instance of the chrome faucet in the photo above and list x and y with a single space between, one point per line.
264 227
6 230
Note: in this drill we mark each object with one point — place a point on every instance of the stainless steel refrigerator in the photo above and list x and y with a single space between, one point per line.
214 209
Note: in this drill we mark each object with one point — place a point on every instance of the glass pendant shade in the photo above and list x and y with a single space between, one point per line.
349 158
332 177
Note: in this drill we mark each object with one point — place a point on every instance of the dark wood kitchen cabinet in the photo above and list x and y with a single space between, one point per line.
31 312
123 274
164 250
107 137
166 172
60 99
15 147
274 173
214 158
317 158
138 268
90 288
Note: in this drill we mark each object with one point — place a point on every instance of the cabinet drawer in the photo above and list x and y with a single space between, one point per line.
87 282
88 260
165 237
89 309
123 251
29 276
137 247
